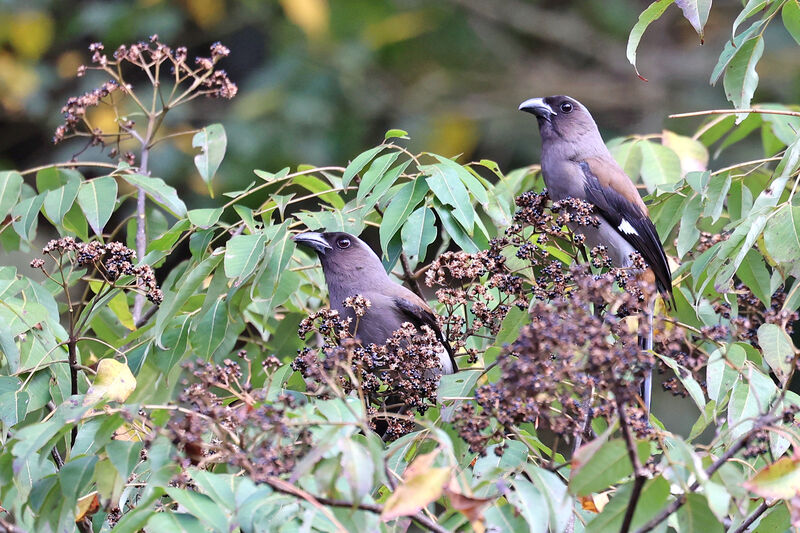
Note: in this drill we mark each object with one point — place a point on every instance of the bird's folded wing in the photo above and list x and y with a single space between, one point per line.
419 314
613 194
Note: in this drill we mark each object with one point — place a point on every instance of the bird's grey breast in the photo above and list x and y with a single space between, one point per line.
562 176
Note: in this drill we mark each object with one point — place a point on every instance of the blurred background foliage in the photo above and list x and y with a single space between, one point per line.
320 81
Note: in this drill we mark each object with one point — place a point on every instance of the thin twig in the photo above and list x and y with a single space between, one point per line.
752 518
146 316
716 465
736 112
638 471
287 488
408 276
68 164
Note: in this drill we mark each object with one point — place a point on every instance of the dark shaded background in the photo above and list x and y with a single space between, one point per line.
321 81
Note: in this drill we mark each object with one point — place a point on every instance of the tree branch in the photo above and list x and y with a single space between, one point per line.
762 422
752 518
638 470
287 488
408 276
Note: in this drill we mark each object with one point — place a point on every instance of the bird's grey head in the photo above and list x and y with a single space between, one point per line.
562 118
345 258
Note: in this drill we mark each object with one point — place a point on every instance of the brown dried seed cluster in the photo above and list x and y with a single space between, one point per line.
251 434
148 56
563 370
397 377
112 260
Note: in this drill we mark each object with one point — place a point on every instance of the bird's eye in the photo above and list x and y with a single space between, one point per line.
566 107
343 243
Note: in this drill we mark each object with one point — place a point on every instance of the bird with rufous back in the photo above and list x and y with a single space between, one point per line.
576 163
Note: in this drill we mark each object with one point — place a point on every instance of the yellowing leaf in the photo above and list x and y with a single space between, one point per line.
410 497
692 153
422 485
311 15
781 479
87 506
113 382
119 306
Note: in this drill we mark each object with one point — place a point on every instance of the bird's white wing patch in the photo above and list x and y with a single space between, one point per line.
625 227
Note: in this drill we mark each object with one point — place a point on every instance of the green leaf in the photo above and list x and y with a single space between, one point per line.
359 163
752 7
753 273
124 455
26 216
717 192
695 516
531 504
377 170
749 399
685 377
175 338
594 470
791 21
395 133
161 193
210 330
696 12
75 223
451 168
648 16
660 165
723 265
317 186
454 229
628 155
458 385
778 350
242 254
172 522
200 506
218 487
59 201
722 370
731 48
688 234
418 233
13 405
383 185
449 189
401 206
97 198
75 476
652 499
782 237
741 78
173 301
212 143
10 188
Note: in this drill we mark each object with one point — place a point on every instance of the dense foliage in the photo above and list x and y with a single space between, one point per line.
217 391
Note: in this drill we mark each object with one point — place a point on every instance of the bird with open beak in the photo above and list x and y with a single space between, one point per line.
351 268
577 164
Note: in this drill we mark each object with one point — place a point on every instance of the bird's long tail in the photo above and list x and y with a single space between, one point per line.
646 343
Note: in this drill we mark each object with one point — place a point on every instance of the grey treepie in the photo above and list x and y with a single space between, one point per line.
351 268
577 164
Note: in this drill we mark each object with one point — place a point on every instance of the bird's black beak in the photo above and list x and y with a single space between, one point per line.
314 240
538 107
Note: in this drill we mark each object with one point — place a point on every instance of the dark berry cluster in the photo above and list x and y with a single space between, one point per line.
225 419
394 379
